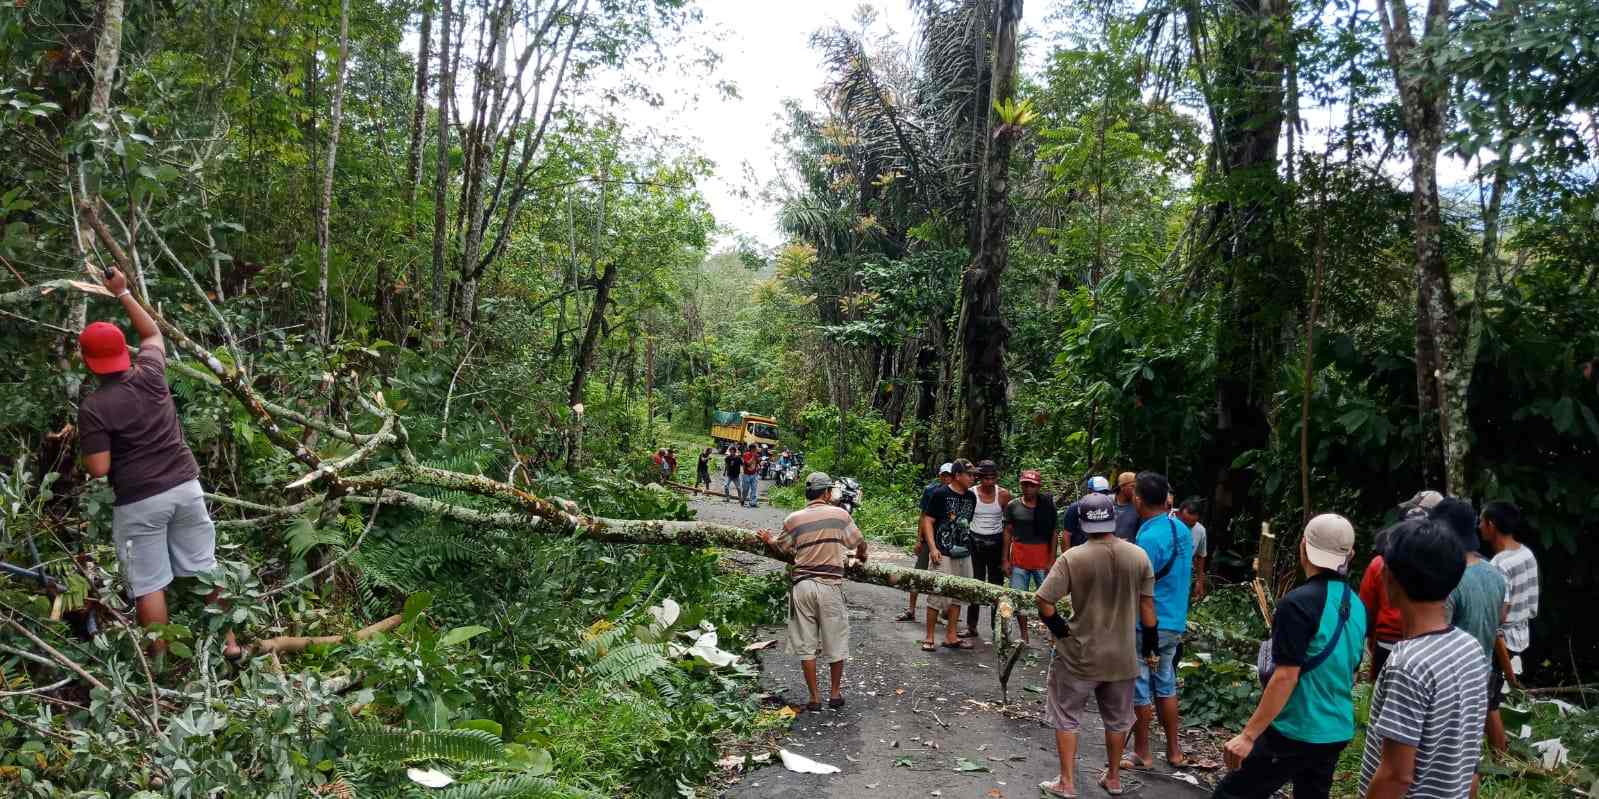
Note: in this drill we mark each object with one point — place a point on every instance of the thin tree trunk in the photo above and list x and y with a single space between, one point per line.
1424 107
591 334
325 210
492 98
441 172
413 161
983 331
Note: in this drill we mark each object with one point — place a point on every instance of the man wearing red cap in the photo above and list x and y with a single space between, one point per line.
129 430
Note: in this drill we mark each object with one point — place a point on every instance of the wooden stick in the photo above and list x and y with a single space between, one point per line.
60 658
289 644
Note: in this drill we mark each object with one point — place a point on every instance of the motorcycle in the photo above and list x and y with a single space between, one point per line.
786 475
847 494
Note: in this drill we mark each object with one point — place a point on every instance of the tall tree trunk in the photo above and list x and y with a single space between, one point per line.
441 172
591 334
1242 238
107 52
1424 109
413 160
325 209
926 403
983 331
492 99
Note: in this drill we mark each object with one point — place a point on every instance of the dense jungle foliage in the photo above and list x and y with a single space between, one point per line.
1188 237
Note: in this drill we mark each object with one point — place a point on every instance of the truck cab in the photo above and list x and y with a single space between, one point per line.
740 427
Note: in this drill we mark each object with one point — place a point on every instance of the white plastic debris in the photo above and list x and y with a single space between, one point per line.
804 765
1553 751
1560 704
1526 731
666 613
1185 777
429 778
705 649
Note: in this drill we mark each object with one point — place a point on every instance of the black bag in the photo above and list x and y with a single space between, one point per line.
1165 570
1266 666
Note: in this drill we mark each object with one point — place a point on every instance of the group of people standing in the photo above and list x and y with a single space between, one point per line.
741 471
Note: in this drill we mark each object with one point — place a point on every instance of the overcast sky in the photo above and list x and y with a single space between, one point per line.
766 52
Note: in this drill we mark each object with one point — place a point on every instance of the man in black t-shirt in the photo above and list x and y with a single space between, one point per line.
732 465
945 472
946 532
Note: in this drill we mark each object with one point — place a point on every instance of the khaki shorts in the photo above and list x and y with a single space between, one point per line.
958 567
165 536
1068 695
818 622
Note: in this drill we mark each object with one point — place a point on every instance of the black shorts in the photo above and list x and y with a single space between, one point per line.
1278 760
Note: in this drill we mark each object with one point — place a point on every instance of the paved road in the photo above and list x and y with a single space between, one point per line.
913 717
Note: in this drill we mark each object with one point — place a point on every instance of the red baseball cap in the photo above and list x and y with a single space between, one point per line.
1031 476
105 349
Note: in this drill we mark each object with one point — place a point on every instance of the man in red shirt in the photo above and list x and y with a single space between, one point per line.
749 483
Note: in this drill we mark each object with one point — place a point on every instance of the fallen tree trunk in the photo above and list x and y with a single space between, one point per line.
290 644
706 534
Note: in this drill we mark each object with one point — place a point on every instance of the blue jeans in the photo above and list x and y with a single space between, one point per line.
1163 682
1027 579
749 490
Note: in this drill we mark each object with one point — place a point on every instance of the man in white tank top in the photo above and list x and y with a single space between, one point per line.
988 537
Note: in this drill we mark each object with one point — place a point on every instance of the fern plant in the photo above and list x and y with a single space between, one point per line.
390 746
631 662
520 787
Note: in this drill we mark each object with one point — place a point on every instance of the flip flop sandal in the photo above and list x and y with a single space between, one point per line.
929 646
836 704
909 615
1049 789
959 645
1128 785
813 707
968 634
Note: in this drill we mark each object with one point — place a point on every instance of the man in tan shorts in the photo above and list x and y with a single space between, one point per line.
819 537
1111 583
946 531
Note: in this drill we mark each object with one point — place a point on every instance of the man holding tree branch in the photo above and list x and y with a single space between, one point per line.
129 431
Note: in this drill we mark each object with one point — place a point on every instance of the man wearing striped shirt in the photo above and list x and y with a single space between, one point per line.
1501 525
819 537
1431 700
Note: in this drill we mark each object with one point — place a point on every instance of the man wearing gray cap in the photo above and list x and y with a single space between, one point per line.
1111 583
819 538
945 472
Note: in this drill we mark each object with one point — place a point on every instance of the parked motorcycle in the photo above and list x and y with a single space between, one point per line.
847 494
786 475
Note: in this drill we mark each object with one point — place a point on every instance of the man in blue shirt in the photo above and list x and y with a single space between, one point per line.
1170 547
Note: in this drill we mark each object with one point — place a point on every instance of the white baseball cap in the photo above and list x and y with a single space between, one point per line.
1329 541
948 468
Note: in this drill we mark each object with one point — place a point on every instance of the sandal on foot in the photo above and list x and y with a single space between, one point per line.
929 646
960 645
909 615
836 703
968 633
813 707
1054 789
1107 789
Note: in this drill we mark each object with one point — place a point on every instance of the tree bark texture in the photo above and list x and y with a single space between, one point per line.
413 161
325 207
591 334
1424 109
441 170
983 332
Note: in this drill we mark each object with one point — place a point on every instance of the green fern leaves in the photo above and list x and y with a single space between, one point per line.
394 747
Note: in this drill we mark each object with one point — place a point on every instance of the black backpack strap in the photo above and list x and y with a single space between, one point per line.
1338 633
1165 570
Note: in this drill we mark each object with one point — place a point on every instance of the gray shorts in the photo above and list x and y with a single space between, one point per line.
165 536
1068 696
957 567
818 621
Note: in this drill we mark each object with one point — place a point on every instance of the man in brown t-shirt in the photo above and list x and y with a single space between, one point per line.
1111 584
819 537
128 430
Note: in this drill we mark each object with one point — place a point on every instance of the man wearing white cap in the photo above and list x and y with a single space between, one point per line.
945 472
1306 716
1070 520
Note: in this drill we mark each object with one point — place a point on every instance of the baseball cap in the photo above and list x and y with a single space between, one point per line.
1032 476
1423 501
818 480
1097 513
948 468
1098 484
1329 540
987 468
1126 478
105 349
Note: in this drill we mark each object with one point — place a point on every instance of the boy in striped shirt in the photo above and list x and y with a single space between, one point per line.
1428 709
1501 525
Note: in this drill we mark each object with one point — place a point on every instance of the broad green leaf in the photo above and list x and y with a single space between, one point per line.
460 635
489 726
414 605
1564 415
964 764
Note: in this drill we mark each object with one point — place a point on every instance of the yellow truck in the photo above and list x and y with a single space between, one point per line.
735 427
